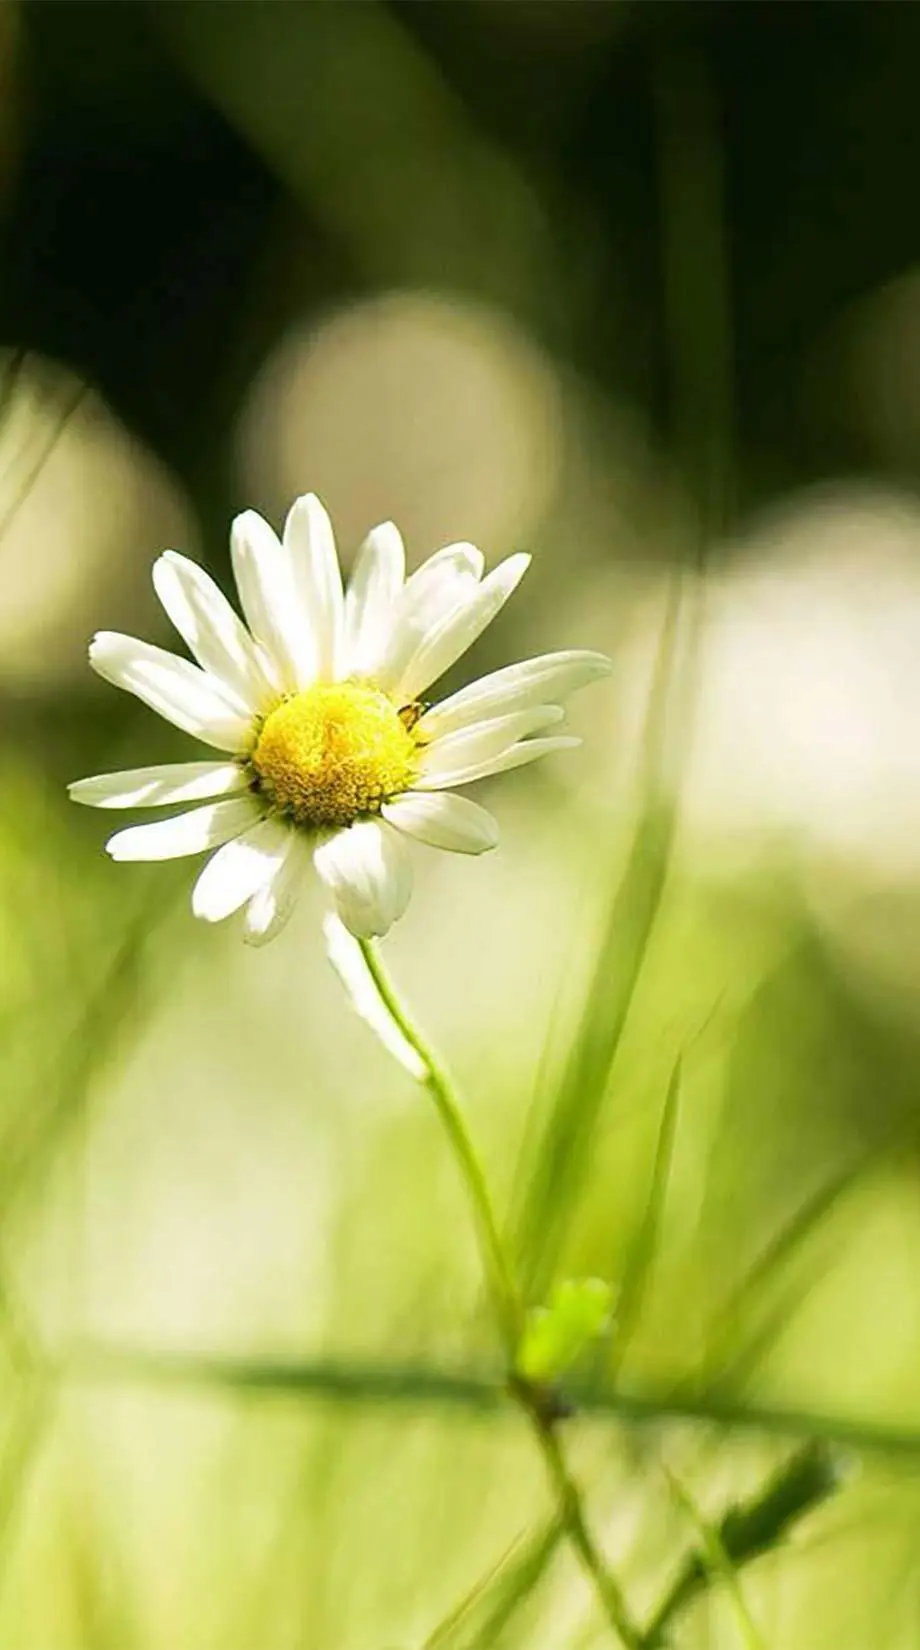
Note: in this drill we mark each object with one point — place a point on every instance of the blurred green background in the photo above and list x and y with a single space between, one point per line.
636 286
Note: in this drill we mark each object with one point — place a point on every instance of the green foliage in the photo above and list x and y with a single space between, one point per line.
556 1335
251 1393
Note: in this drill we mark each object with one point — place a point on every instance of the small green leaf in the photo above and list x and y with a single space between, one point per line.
555 1335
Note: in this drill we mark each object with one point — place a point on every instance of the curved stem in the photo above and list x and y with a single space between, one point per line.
439 1086
509 1307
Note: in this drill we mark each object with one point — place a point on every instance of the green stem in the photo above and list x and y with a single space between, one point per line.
439 1086
508 1304
573 1516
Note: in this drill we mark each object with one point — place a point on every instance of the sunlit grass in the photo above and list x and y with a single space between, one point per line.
253 1395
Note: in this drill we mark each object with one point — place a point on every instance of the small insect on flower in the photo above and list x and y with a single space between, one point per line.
329 752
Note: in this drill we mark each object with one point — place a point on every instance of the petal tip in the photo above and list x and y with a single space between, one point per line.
202 911
161 572
249 521
511 571
386 533
487 843
309 505
100 651
172 558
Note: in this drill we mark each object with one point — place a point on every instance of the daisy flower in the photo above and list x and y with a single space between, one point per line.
330 754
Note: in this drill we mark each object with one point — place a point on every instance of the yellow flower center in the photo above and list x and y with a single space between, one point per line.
333 753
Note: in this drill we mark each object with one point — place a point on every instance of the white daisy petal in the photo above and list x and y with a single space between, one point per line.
210 628
310 545
459 629
158 786
175 689
269 909
347 959
271 601
446 576
374 586
469 746
549 678
368 870
443 820
240 869
190 833
442 584
517 757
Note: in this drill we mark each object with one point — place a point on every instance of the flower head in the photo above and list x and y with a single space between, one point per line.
330 753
